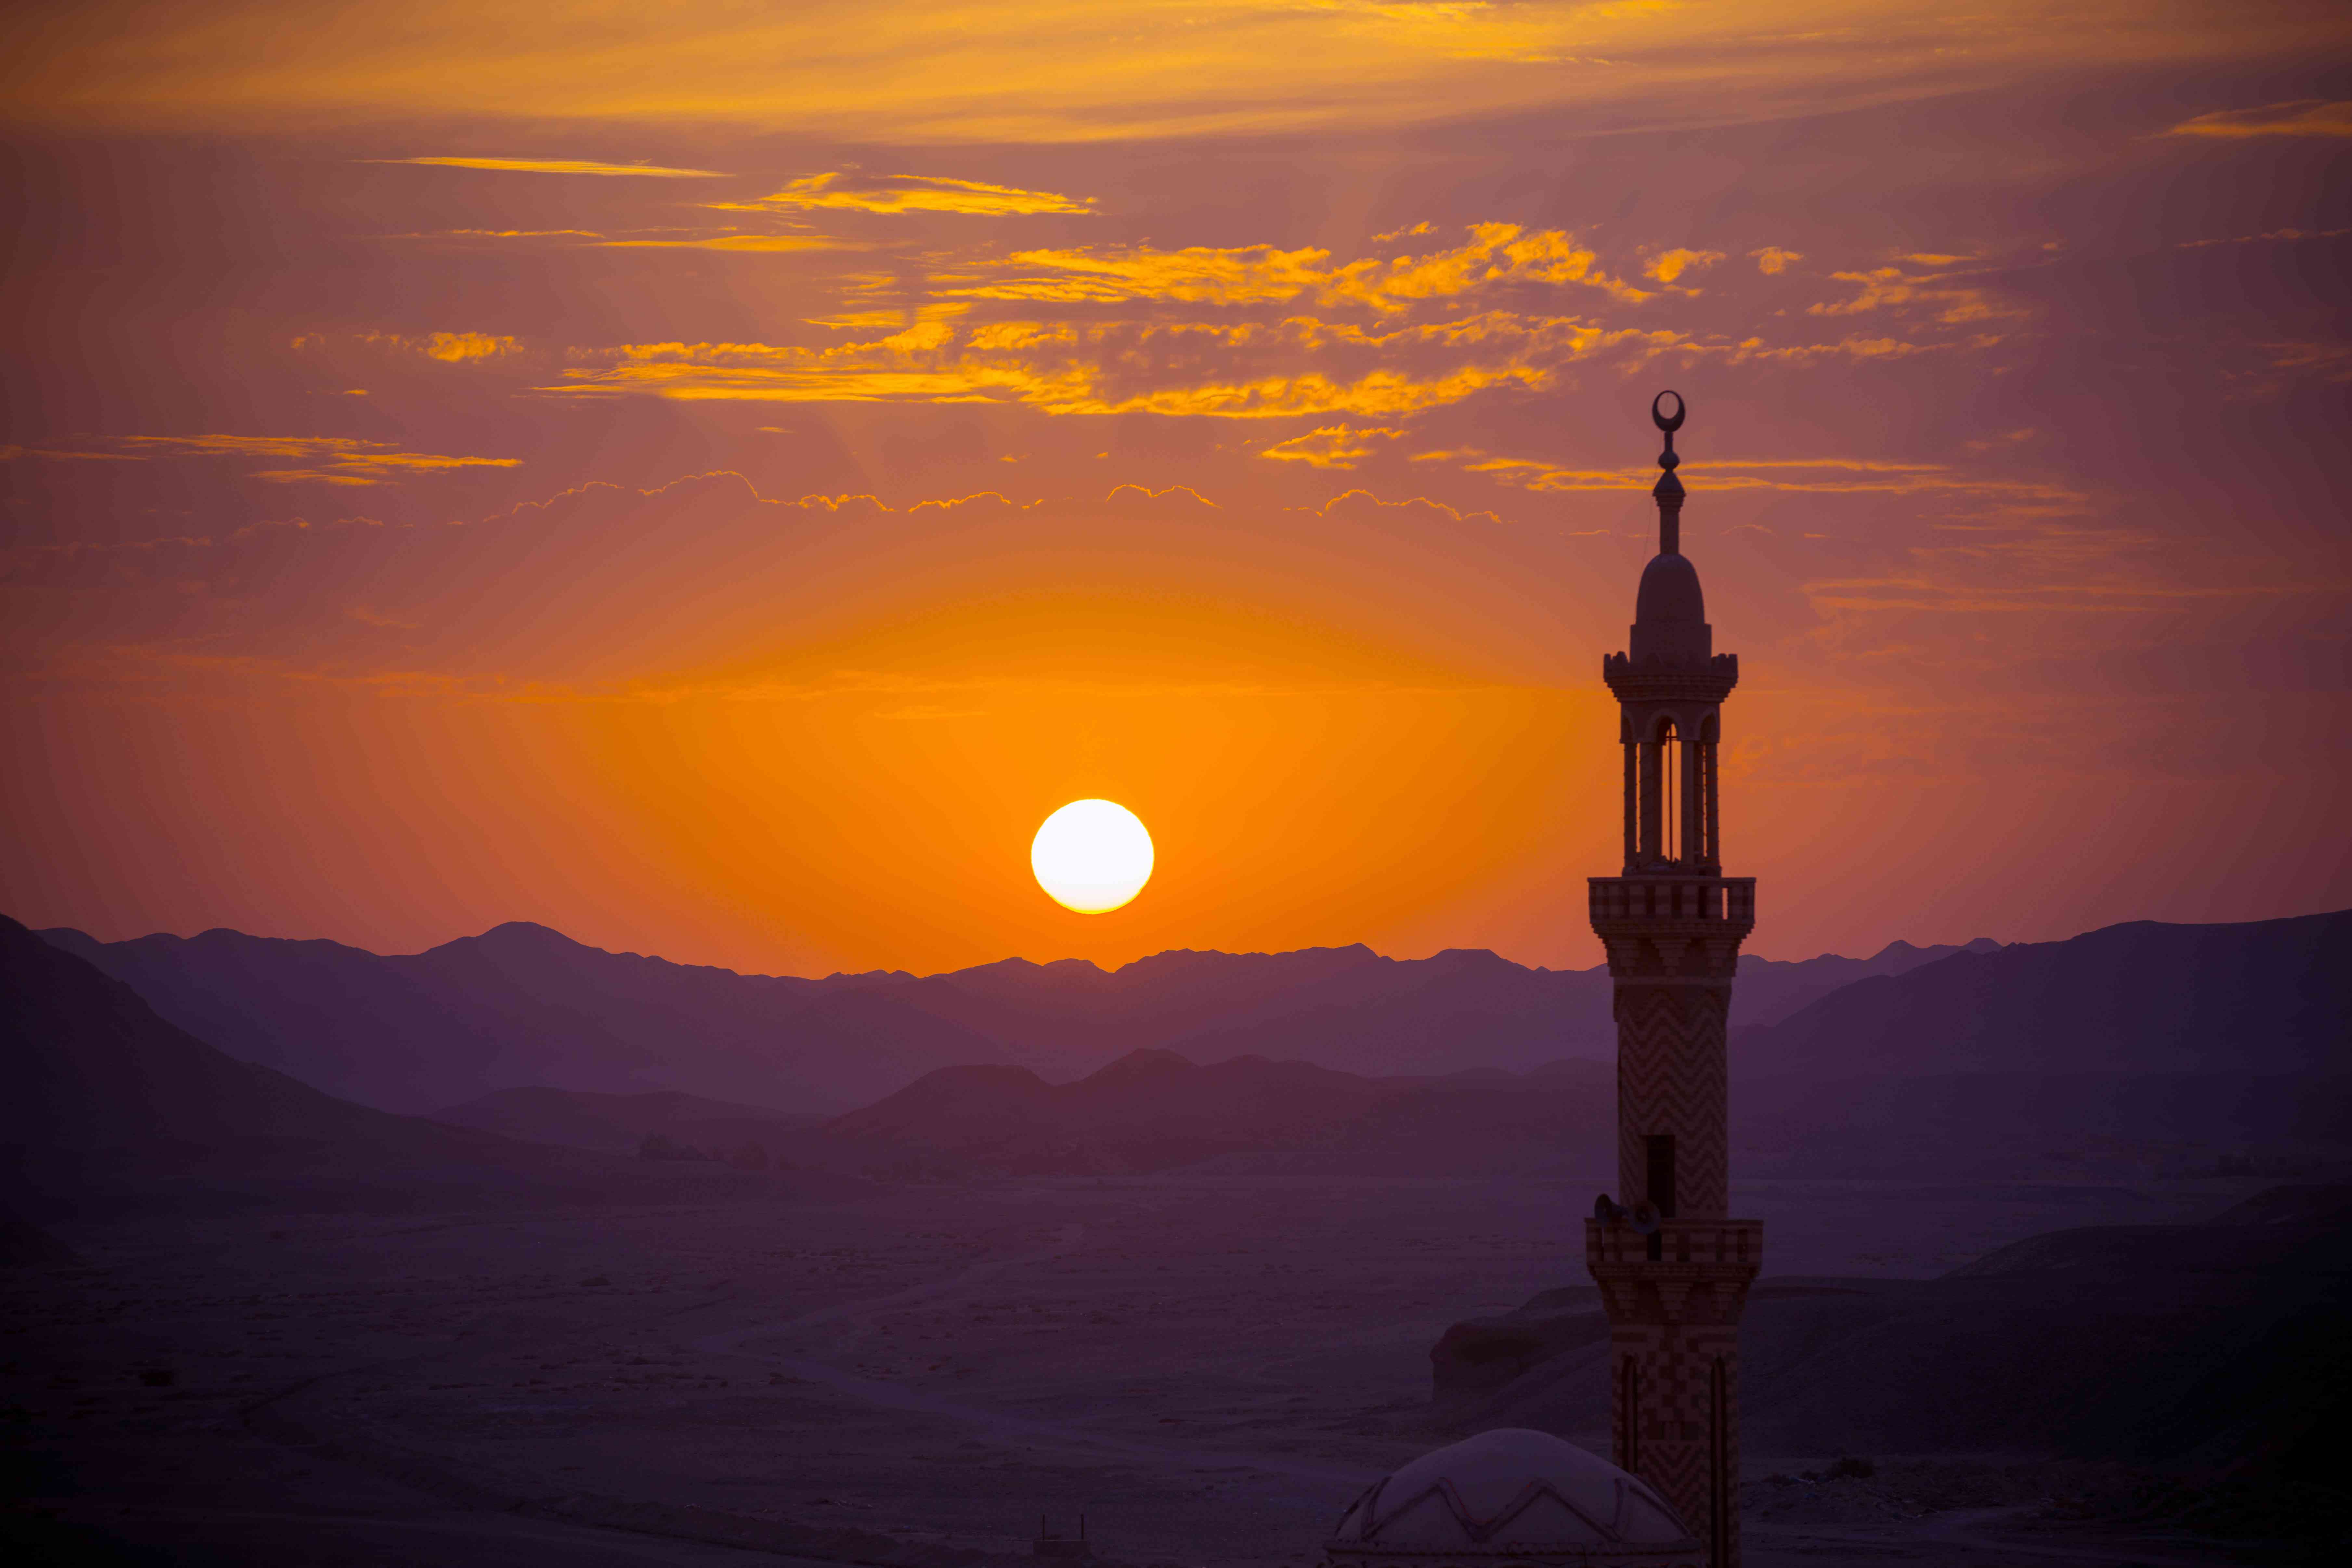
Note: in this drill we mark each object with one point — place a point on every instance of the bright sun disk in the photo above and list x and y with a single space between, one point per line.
1092 856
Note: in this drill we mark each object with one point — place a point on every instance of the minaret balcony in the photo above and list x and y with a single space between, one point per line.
1670 903
1661 681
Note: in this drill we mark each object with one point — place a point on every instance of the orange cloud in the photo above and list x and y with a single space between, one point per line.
2298 117
1497 253
1331 446
1669 265
1004 72
1772 259
1818 475
912 193
560 166
743 242
1366 506
1883 288
449 348
334 460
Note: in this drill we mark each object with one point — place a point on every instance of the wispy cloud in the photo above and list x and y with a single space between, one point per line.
2273 236
1890 288
449 348
1497 254
1331 446
1772 259
740 242
1669 265
560 166
2298 117
1834 475
912 193
328 459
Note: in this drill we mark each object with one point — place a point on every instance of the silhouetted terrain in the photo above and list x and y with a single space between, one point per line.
2135 1047
2261 996
2220 1347
1156 1111
522 1005
109 1106
586 1119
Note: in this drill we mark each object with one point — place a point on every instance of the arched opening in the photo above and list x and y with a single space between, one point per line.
1664 791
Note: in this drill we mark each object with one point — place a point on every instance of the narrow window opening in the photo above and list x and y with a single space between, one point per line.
1660 1148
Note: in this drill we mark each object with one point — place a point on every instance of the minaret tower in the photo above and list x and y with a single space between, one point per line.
1673 1265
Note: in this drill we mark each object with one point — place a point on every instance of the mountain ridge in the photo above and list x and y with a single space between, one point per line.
521 1005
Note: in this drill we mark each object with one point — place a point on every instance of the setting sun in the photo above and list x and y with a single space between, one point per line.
1092 856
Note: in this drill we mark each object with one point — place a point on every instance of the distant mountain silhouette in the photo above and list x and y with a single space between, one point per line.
1770 990
2262 997
2135 1048
109 1105
522 1005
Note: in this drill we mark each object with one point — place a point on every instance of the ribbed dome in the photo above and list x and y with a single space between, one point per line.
1516 1494
1670 591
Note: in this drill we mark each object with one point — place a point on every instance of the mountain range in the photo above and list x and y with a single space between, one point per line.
2136 1049
110 1107
522 1005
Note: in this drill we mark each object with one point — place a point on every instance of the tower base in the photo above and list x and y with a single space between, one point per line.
1673 1334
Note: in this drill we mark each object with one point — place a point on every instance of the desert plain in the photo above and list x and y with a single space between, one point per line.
1206 1364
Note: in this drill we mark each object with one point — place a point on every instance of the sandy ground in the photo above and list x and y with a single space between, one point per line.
1209 1369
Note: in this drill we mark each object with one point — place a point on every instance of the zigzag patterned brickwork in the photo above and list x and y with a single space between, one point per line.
1674 1363
1672 1080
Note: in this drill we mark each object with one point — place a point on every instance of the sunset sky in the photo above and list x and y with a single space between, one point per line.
712 478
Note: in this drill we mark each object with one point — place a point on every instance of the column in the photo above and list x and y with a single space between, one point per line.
1714 821
1653 827
1632 802
1694 835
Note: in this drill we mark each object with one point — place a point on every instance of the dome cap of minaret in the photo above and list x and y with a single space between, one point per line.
1669 610
1511 1496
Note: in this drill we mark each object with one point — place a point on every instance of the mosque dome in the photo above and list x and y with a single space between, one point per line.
1670 614
1511 1496
1670 591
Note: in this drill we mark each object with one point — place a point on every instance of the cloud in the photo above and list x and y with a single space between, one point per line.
1363 506
1886 288
330 459
1669 265
1389 392
1497 254
2298 117
2276 234
1243 370
1331 446
1000 71
559 167
1815 476
502 234
912 193
448 348
1772 259
740 242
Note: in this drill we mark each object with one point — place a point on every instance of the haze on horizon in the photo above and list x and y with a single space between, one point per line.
713 485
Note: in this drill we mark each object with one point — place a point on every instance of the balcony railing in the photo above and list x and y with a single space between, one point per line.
1730 900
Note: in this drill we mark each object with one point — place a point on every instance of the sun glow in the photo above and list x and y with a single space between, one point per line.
1092 856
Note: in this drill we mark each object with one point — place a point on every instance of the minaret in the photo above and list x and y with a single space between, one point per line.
1673 1265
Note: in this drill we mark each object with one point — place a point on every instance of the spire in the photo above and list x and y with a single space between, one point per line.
1668 491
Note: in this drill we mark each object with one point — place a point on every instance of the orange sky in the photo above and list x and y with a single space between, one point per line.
712 479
